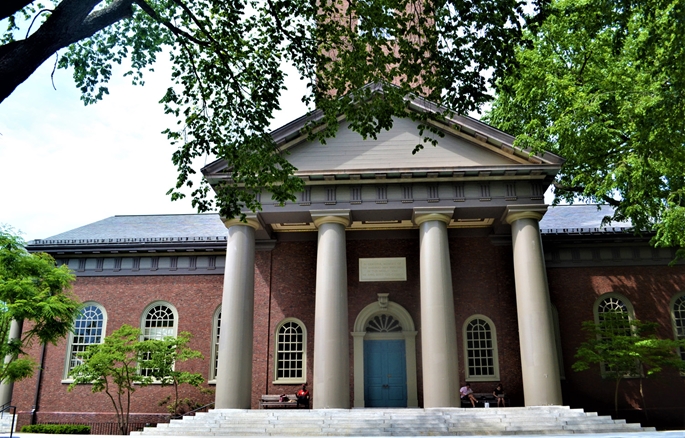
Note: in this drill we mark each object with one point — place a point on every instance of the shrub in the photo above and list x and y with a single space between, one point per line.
64 429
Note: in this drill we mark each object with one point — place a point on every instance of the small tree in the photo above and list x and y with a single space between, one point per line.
626 348
35 290
160 358
112 368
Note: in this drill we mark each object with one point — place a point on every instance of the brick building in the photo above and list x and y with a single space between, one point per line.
390 281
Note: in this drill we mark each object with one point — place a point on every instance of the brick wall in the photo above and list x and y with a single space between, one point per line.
125 298
650 290
483 283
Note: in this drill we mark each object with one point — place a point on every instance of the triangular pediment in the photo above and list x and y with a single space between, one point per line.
469 148
392 151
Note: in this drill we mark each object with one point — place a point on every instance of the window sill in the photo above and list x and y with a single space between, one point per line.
289 382
483 379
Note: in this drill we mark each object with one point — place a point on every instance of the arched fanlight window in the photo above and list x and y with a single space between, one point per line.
383 323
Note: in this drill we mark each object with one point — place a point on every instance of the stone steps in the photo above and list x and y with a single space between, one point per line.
555 420
6 423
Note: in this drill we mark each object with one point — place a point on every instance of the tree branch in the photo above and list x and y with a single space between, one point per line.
11 7
580 189
71 21
173 29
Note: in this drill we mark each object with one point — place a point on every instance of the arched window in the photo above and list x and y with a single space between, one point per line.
678 317
480 349
291 352
383 323
614 312
159 320
89 328
216 331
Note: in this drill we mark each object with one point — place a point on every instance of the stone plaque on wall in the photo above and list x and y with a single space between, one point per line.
383 269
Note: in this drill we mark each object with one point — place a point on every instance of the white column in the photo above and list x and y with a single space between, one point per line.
234 374
331 344
540 367
358 339
438 327
7 388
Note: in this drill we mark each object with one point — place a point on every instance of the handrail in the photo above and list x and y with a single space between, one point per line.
4 407
176 417
7 407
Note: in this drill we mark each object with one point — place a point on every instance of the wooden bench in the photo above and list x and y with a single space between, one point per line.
272 401
483 397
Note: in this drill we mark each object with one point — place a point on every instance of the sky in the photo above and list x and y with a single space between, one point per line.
64 165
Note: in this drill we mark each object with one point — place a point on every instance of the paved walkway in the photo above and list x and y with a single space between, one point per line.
666 434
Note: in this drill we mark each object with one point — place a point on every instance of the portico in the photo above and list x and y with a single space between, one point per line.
470 186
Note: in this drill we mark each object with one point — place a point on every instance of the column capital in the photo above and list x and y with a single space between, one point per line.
330 216
517 212
425 214
251 220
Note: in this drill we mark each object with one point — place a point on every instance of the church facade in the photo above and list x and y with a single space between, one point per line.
392 280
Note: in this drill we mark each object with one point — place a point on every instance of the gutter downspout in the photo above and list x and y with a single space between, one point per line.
36 397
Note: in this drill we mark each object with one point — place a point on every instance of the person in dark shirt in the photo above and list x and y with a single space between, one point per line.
499 395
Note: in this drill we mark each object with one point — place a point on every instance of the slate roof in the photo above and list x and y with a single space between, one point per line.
580 218
169 228
159 228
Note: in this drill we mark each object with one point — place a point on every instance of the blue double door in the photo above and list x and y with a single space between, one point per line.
385 373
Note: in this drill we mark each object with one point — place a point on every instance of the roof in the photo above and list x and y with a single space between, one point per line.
208 230
164 226
166 232
580 218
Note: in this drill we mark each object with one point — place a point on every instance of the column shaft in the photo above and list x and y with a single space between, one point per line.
234 374
540 368
438 327
331 343
6 389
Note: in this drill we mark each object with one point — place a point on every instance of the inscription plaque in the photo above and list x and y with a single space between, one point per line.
383 269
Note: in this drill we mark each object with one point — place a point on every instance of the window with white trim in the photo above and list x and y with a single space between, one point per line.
615 312
159 321
216 331
678 316
291 352
89 329
480 349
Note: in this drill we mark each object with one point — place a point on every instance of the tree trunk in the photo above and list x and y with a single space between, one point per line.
70 22
618 382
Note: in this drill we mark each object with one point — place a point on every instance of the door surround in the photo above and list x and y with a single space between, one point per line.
408 333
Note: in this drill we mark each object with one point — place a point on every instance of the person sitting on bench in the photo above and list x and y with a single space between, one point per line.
466 393
303 397
499 395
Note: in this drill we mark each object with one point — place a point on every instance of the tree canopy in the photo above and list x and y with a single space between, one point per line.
626 347
602 83
228 59
125 362
34 290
